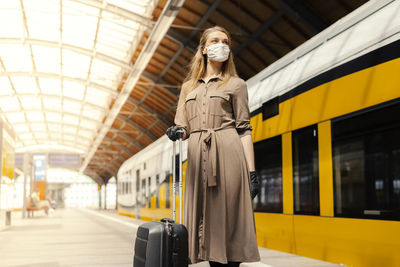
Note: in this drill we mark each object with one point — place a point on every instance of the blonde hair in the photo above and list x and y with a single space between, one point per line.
198 64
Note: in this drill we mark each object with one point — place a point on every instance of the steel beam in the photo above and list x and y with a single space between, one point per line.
93 174
304 15
105 161
58 111
163 119
61 77
114 142
134 124
259 31
80 50
178 38
203 20
106 173
119 11
271 50
64 97
110 160
159 30
131 140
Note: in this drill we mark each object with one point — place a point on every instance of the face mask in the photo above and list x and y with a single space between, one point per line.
218 52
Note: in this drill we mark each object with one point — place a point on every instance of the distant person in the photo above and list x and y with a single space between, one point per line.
221 180
52 202
41 204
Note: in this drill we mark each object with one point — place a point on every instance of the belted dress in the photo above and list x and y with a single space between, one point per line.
218 207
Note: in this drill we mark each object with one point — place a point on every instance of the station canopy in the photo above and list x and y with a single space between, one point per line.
101 77
61 63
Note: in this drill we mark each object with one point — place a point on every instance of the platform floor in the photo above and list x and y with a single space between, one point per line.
81 237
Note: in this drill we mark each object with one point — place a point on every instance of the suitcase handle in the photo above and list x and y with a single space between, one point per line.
167 220
180 181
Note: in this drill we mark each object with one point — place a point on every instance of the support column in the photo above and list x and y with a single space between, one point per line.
116 193
99 190
27 172
105 196
1 156
287 173
39 175
325 169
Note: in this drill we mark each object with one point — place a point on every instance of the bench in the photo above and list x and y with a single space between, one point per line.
30 208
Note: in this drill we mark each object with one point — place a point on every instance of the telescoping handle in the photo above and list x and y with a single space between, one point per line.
180 181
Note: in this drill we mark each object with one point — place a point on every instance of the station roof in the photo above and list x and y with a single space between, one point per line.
102 78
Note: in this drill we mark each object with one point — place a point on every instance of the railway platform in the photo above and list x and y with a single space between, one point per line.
83 237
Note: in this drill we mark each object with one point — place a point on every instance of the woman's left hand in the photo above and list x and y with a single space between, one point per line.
255 184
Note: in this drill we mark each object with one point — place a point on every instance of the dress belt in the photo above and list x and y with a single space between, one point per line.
211 144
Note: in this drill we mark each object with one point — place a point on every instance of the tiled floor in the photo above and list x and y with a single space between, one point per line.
79 237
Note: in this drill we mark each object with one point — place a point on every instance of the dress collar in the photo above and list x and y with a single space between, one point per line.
214 77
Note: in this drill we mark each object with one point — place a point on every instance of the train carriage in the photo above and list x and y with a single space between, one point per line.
326 132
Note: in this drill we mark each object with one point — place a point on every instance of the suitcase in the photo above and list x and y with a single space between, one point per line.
165 243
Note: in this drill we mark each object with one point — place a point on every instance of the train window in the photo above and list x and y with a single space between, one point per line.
149 188
305 171
270 108
366 164
158 191
144 197
137 187
268 160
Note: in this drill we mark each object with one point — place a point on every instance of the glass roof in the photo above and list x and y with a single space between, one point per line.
61 62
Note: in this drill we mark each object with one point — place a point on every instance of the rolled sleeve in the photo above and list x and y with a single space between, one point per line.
241 108
181 115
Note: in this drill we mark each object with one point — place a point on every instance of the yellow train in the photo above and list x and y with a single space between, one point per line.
326 127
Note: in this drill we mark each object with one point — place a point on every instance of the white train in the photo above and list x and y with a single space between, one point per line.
326 127
141 176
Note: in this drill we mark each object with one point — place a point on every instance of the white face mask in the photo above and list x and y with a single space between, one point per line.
218 52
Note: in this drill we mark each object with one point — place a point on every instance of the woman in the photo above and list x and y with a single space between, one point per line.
213 113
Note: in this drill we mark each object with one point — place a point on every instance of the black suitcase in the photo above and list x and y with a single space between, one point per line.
165 243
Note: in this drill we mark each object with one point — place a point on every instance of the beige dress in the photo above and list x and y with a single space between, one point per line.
218 207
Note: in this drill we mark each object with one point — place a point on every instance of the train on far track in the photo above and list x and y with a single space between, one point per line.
326 132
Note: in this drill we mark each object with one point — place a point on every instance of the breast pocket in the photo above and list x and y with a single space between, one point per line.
220 104
191 106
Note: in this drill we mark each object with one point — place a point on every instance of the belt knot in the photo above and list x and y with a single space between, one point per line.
210 141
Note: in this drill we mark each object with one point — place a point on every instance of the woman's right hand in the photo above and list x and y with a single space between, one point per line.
174 132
